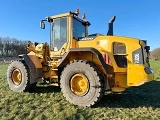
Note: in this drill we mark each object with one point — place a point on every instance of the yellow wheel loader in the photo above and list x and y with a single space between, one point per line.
83 65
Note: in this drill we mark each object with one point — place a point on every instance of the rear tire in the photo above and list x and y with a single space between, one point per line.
18 77
82 83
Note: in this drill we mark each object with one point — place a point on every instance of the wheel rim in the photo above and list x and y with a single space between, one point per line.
16 77
79 84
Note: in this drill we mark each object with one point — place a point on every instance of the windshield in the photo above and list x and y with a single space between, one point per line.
78 29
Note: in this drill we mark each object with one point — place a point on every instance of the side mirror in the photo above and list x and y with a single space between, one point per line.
42 25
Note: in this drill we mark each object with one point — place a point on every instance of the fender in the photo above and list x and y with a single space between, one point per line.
35 69
107 68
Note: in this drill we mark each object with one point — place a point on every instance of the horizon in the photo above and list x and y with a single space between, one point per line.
136 19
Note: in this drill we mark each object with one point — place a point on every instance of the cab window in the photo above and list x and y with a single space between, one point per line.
78 29
119 48
59 32
119 52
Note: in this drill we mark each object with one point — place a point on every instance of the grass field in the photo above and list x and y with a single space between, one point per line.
47 102
156 67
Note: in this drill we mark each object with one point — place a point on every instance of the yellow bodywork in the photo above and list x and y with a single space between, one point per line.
133 74
122 77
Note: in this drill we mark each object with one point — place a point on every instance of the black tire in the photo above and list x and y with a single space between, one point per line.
95 89
16 83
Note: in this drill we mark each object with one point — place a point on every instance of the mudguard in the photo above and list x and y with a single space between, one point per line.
106 67
34 72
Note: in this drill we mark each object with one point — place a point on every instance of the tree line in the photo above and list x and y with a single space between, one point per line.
155 54
11 47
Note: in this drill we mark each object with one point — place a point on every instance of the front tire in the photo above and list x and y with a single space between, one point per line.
18 77
82 83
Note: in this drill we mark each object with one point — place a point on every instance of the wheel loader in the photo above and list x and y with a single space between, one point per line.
83 65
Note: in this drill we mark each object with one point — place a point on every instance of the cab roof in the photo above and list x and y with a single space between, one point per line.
75 15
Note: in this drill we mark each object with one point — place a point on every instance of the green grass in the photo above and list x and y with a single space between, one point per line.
47 102
155 65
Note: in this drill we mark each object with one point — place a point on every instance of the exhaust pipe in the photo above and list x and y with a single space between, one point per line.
110 26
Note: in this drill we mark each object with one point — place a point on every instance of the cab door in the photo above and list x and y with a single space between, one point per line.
59 37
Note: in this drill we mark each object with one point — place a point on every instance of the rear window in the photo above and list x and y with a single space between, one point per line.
119 51
119 48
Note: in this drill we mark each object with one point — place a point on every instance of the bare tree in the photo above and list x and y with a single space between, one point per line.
8 46
1 46
22 47
15 46
12 47
155 54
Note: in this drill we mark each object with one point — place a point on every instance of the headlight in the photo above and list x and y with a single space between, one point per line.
148 70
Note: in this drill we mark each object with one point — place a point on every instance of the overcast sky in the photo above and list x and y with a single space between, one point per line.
135 18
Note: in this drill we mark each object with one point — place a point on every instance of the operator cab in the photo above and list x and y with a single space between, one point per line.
63 29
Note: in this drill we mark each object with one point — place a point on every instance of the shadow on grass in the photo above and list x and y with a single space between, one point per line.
45 89
147 95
